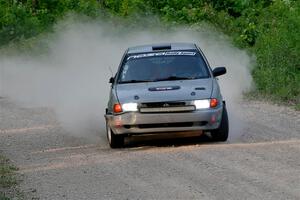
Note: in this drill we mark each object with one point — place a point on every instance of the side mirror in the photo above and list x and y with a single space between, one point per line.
111 80
218 71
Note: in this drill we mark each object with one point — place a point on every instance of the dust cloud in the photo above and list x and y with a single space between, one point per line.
72 78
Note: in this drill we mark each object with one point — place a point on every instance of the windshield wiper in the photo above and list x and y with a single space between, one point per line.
135 81
171 78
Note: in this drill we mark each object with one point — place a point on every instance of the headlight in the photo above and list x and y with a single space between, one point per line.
206 103
202 104
127 107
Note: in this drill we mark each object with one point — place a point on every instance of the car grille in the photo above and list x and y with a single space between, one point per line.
167 125
165 107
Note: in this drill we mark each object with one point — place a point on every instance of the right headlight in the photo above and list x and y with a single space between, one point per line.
126 107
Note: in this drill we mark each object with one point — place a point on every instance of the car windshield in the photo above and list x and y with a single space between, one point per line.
163 66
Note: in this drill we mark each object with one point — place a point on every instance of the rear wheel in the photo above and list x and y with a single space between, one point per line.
221 134
115 141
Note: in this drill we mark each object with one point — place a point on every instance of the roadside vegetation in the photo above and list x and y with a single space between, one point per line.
8 179
268 29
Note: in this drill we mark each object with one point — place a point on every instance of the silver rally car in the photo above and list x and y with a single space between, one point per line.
165 88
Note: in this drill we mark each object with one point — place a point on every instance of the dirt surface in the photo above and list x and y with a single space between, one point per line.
260 162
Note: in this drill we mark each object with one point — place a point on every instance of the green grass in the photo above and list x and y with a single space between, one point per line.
7 173
3 197
7 177
297 107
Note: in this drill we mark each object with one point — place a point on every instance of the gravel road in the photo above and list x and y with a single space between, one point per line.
261 162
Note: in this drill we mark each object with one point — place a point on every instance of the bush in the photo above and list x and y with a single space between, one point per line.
278 52
270 29
16 22
21 20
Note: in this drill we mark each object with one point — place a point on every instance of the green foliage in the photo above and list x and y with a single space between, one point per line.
7 179
270 29
25 19
16 22
278 52
3 197
128 8
7 173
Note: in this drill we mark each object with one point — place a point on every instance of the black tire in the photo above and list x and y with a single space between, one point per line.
115 141
221 134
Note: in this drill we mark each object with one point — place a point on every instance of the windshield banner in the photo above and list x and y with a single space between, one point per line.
168 53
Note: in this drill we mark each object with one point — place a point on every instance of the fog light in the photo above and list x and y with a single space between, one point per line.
213 119
118 123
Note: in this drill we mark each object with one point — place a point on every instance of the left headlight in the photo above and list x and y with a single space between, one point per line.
206 103
202 104
130 107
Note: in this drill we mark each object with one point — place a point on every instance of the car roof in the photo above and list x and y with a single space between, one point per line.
160 47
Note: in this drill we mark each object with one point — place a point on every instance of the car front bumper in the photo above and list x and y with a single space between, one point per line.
141 123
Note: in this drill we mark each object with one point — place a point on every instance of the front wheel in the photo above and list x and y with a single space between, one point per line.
115 141
221 134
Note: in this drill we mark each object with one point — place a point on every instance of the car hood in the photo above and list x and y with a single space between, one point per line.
163 91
